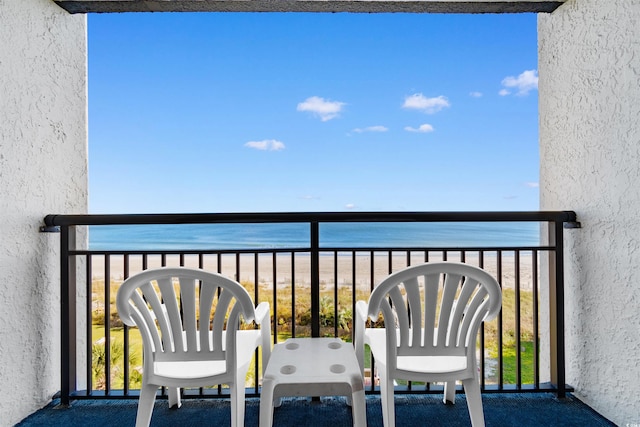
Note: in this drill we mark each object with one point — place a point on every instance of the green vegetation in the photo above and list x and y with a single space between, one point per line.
509 369
98 350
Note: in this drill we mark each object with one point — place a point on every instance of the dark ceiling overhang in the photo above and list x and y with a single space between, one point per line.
360 6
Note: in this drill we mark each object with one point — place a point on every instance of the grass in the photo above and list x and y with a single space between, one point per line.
510 363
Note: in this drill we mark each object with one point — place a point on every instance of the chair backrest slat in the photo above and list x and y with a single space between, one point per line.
144 317
431 287
414 309
400 307
207 295
188 306
451 284
456 333
220 318
478 307
158 312
172 312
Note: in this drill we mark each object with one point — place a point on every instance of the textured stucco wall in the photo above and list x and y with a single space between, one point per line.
43 169
589 67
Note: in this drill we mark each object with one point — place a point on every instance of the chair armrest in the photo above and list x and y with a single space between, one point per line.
262 313
361 310
263 318
359 326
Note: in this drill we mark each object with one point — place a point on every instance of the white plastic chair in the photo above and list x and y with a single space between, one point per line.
432 313
189 321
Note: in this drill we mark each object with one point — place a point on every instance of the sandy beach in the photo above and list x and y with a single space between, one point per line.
282 268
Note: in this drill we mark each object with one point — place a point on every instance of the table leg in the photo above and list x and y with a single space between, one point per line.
359 409
266 404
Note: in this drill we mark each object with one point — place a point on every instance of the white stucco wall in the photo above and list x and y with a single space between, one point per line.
589 67
43 169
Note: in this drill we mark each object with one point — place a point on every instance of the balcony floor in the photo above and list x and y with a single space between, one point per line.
501 409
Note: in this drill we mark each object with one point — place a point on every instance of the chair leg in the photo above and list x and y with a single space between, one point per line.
449 392
145 405
386 399
174 397
474 401
237 392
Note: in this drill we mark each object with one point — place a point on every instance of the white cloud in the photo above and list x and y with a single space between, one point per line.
350 206
371 129
524 83
425 128
418 101
532 184
504 92
321 107
475 94
266 145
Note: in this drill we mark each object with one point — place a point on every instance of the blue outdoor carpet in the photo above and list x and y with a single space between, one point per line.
500 410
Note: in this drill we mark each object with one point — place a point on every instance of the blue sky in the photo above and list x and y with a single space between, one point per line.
312 112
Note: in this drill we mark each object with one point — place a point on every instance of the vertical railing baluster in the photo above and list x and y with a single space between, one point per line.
354 300
89 317
315 278
371 286
518 313
536 333
275 291
237 271
293 295
336 303
274 294
107 325
219 387
483 381
500 331
371 268
125 333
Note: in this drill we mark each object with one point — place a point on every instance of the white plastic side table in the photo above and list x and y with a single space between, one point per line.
312 367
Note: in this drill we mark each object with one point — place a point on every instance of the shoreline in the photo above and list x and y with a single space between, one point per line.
281 269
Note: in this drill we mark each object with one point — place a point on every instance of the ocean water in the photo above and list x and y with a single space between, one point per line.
332 235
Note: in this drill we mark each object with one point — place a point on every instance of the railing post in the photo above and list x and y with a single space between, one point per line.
315 278
556 309
67 314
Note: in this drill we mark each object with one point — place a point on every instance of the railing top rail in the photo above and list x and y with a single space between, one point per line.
290 217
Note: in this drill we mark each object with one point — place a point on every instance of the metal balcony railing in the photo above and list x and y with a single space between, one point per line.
312 289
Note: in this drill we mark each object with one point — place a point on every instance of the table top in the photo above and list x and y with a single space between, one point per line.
313 360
